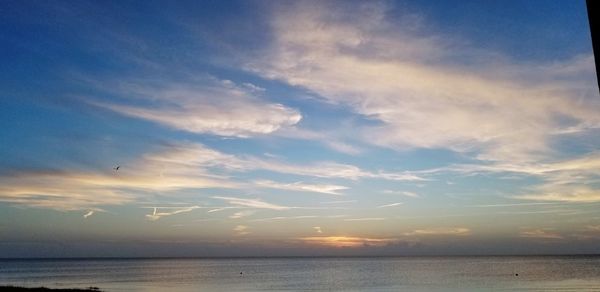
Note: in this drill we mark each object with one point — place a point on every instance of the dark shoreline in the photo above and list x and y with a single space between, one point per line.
296 257
44 289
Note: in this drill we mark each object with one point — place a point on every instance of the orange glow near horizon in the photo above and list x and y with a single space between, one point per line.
345 241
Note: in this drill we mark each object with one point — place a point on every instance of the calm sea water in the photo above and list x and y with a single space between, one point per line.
577 273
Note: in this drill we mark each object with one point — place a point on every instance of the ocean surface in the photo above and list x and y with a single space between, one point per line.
562 273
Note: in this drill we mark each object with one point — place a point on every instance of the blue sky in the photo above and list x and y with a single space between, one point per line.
297 128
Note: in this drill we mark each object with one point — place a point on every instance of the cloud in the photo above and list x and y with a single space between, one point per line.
595 228
365 219
199 155
173 168
565 180
540 233
241 230
346 241
333 170
403 193
206 107
251 203
390 205
219 209
170 169
415 84
300 186
510 205
457 231
559 170
157 215
242 214
62 191
280 218
339 202
344 147
577 194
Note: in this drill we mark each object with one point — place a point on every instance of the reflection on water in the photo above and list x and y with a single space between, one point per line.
578 273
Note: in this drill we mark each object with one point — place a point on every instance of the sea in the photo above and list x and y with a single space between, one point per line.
474 273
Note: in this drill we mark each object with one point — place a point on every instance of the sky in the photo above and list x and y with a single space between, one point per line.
297 128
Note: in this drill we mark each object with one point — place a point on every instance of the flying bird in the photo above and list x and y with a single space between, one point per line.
117 168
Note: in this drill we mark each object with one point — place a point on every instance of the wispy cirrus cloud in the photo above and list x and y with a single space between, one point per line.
335 170
365 219
65 190
510 205
241 230
167 170
456 231
156 214
300 186
88 214
242 214
390 205
403 193
173 168
565 193
199 155
328 138
339 202
595 228
282 218
251 203
540 233
562 180
423 94
218 107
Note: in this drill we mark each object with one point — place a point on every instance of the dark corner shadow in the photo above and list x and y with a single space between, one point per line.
594 34
44 289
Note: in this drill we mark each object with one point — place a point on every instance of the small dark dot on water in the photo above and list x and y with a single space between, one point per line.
516 274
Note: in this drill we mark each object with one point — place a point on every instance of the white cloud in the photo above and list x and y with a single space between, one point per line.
566 180
403 193
62 191
511 205
568 193
241 230
390 205
300 186
457 231
199 155
175 167
156 214
593 227
331 139
251 203
171 169
333 170
220 209
365 219
281 218
540 233
344 147
413 82
339 202
207 107
242 214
